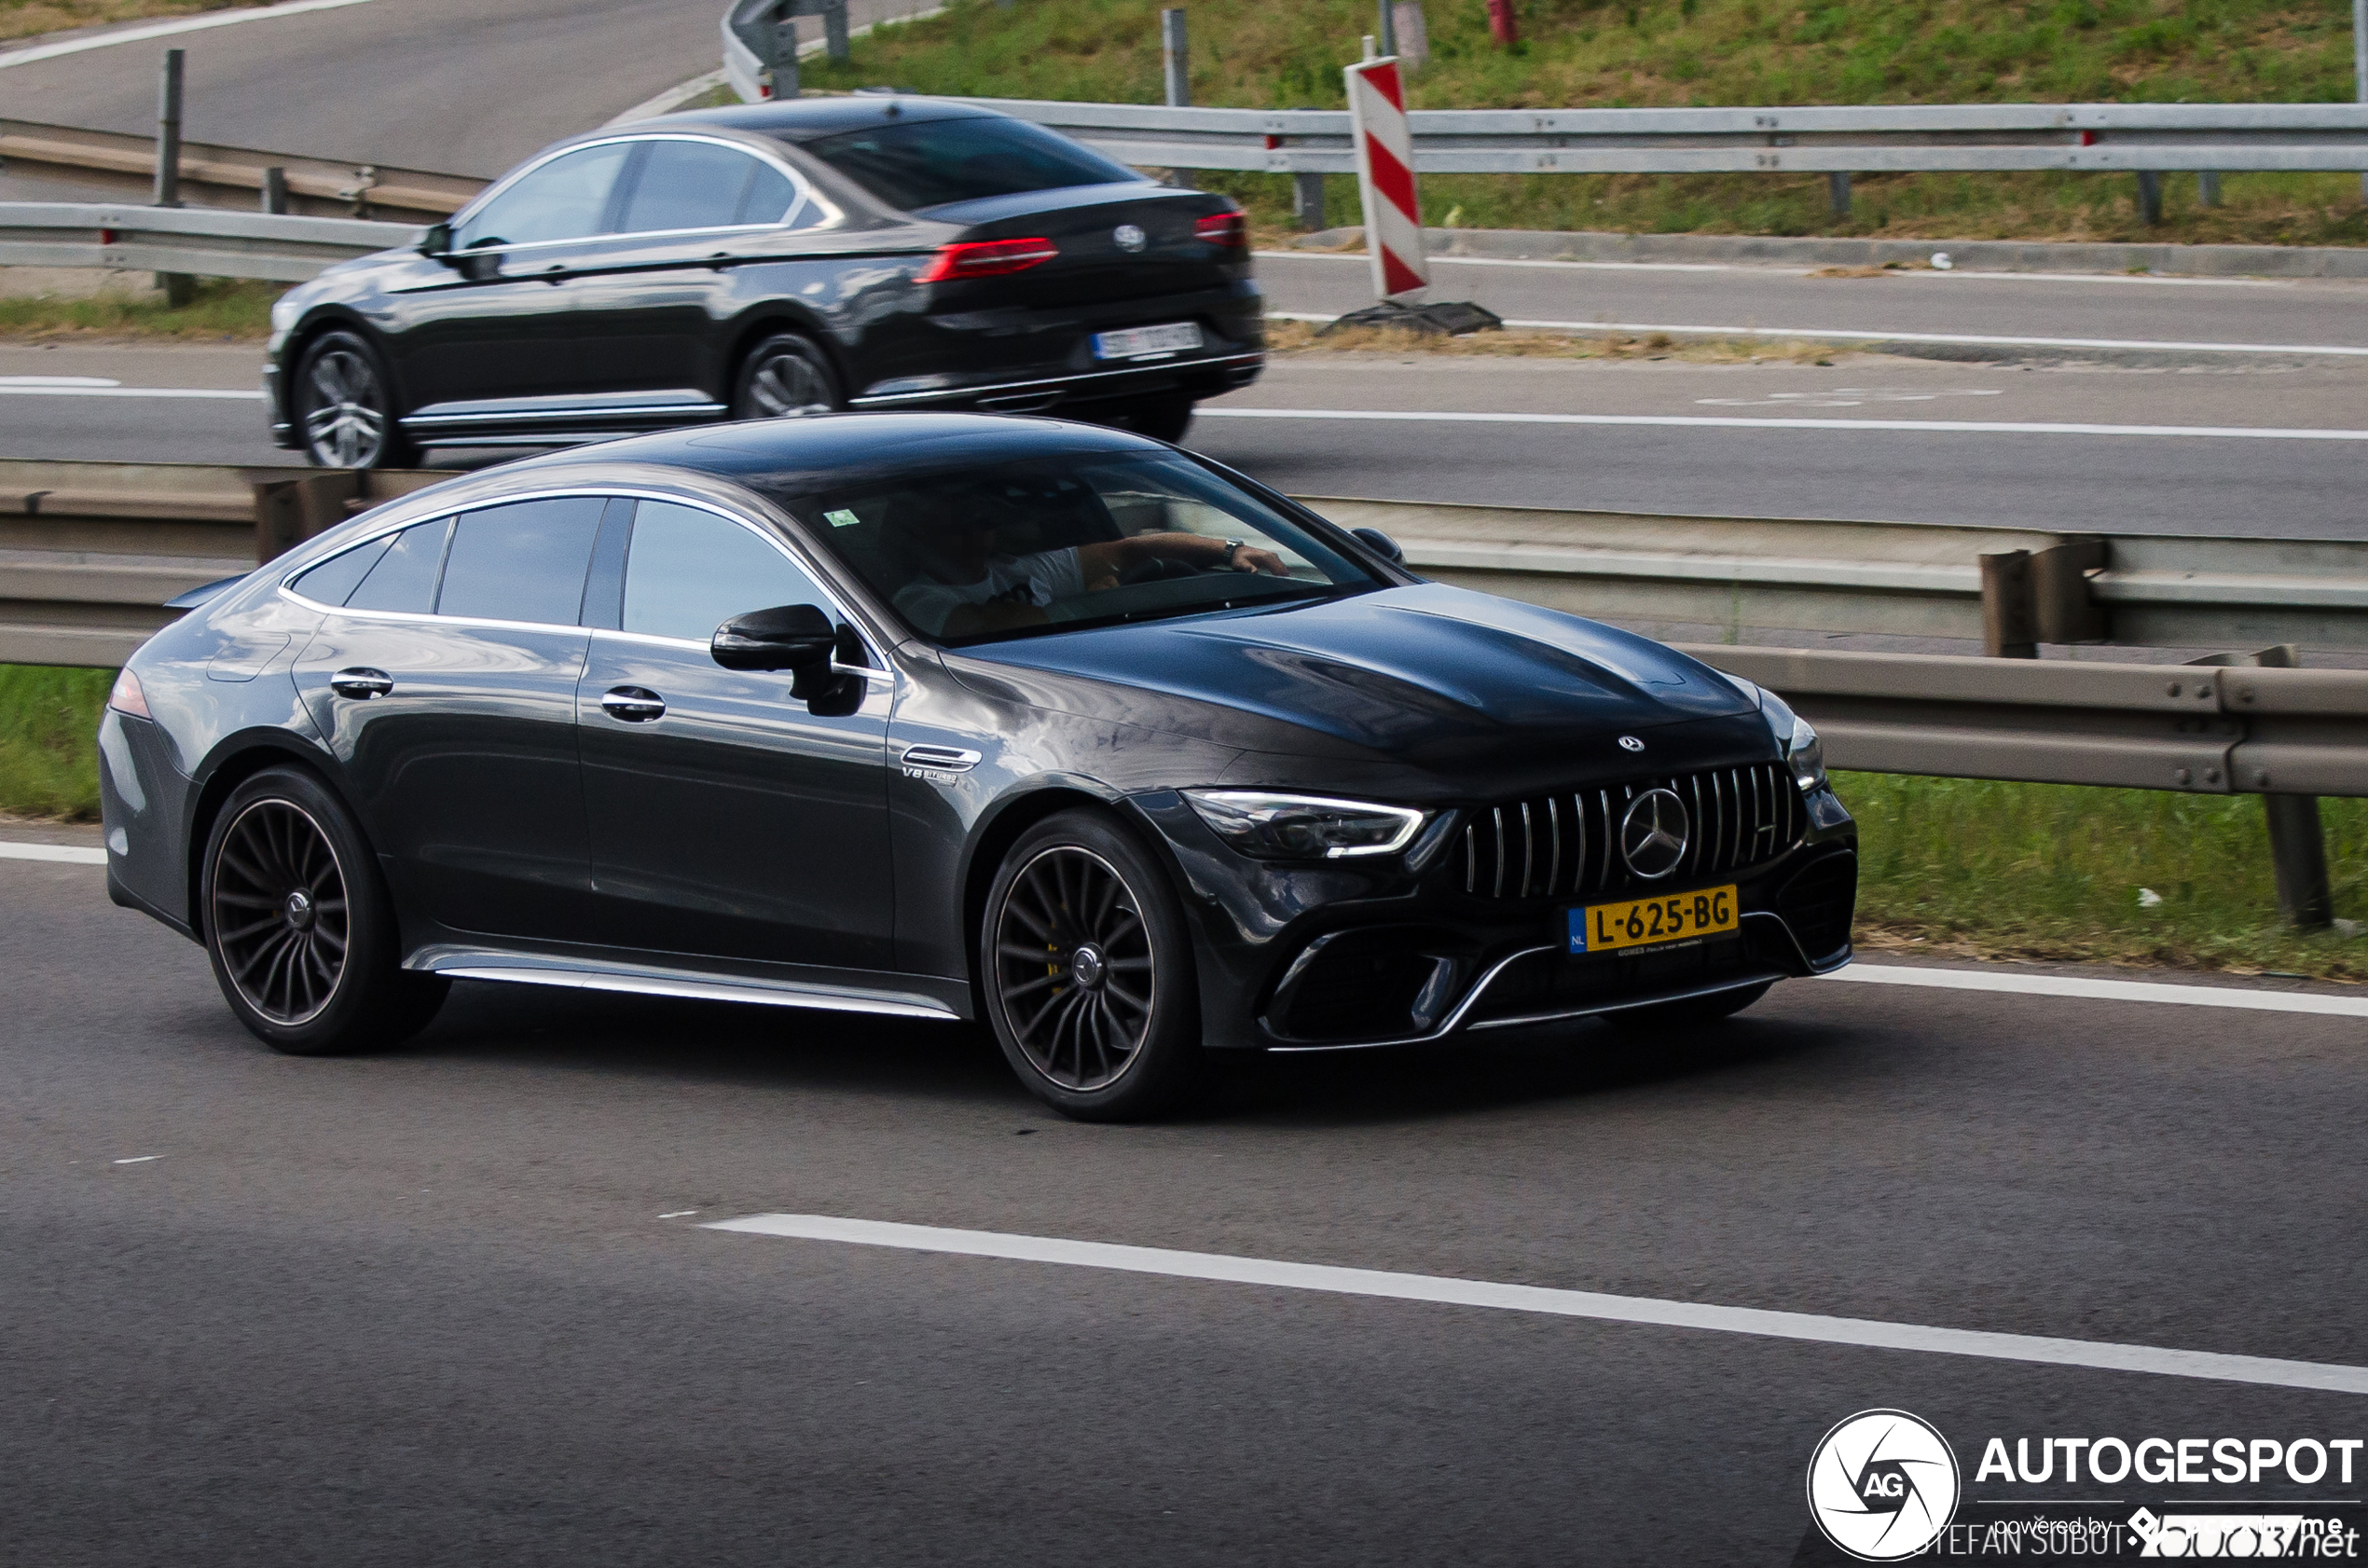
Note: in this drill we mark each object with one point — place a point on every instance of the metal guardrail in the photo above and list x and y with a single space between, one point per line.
1877 139
314 186
202 242
1901 579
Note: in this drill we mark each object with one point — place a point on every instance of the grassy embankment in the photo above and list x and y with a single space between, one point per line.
1962 867
224 309
24 18
1651 53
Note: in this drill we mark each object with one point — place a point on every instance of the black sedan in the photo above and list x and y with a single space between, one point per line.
857 253
956 717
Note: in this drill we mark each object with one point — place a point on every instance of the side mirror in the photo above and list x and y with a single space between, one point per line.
794 637
436 240
1381 545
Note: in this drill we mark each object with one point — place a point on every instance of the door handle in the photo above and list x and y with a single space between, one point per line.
634 704
361 683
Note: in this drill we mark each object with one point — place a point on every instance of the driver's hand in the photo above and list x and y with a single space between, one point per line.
1249 559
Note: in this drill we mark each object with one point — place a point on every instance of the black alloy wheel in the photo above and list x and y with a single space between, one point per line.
786 377
344 406
1088 972
299 926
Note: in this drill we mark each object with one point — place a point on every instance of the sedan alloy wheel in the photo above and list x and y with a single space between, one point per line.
1074 968
281 912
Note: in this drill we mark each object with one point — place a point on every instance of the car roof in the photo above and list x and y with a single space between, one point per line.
836 451
804 120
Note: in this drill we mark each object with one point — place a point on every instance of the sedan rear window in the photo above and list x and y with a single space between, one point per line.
920 164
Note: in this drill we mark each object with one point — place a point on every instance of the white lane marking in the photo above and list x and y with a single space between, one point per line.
232 393
1793 269
139 1159
58 381
1811 1327
1847 334
73 854
1721 421
2106 990
166 29
679 1213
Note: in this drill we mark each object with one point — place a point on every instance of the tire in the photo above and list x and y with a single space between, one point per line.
1164 417
343 402
1695 1012
786 377
1113 1036
321 976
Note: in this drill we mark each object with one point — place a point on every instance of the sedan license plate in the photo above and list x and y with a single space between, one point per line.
1136 341
1605 928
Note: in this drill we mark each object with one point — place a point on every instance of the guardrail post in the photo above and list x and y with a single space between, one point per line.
1307 201
275 189
2297 843
2150 198
1175 71
781 60
179 287
2360 67
1385 28
1837 192
2208 188
2063 608
2009 626
835 42
1413 34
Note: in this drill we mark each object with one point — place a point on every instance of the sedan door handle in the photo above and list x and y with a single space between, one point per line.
361 683
634 704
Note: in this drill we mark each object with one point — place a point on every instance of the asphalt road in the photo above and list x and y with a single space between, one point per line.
453 1303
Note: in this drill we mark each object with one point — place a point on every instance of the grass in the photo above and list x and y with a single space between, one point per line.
23 18
1285 337
1610 53
224 309
48 740
1950 865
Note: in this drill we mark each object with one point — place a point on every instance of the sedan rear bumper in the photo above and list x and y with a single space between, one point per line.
1200 377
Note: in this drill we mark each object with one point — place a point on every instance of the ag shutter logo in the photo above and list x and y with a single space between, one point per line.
1882 1485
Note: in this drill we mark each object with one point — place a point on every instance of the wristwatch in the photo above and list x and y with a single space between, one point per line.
1232 547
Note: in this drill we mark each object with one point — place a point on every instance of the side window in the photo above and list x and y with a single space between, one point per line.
566 199
768 197
334 580
522 562
405 577
688 571
694 185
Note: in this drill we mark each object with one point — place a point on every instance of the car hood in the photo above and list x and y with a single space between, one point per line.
1434 678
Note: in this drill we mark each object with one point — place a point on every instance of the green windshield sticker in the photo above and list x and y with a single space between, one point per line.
843 520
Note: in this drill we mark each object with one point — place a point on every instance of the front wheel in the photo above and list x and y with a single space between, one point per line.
1088 972
786 377
299 925
345 406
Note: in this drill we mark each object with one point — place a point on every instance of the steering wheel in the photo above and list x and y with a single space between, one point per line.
1158 569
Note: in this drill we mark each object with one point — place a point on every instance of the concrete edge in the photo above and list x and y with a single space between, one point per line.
1988 255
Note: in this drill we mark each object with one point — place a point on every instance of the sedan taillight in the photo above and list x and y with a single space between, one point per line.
984 258
1229 229
127 697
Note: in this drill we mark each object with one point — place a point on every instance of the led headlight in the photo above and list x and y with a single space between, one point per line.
1803 753
1278 827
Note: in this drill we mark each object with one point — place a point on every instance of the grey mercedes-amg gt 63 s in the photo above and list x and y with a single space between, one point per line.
952 716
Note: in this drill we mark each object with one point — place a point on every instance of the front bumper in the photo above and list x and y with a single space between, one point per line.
1331 956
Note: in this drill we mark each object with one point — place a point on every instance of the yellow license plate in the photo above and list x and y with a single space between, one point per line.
1606 927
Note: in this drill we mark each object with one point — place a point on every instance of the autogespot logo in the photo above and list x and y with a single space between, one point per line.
1882 1485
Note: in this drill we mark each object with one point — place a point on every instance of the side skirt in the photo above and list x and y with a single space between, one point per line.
583 974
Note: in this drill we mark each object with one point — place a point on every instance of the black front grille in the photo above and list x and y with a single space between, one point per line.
1818 904
1567 846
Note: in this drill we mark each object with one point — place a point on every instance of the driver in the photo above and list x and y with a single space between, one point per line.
966 586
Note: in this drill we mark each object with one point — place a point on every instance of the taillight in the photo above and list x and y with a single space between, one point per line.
1222 228
127 696
984 258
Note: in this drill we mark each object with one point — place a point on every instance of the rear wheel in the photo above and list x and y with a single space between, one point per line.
344 406
299 927
786 377
1088 972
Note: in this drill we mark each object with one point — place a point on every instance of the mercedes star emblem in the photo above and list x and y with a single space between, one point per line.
1130 238
1653 833
1630 743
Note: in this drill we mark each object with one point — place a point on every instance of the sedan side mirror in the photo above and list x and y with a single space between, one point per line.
435 240
1381 545
800 638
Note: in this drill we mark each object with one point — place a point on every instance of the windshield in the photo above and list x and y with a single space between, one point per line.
930 162
1053 543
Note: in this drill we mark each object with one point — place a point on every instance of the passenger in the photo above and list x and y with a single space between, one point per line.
964 586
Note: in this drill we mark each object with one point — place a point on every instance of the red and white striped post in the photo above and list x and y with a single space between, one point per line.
1385 181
